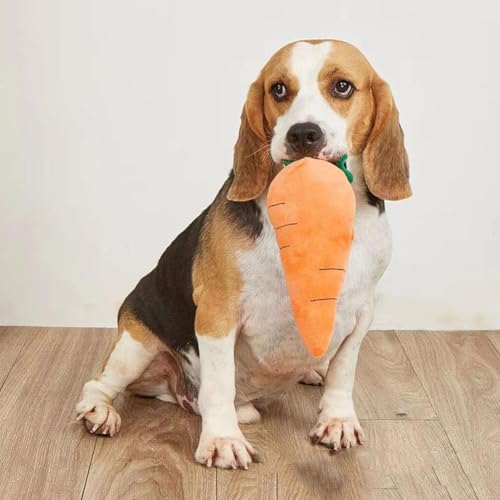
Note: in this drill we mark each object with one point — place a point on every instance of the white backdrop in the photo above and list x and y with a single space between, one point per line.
118 118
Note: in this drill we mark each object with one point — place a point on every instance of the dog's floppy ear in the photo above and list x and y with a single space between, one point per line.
385 161
251 164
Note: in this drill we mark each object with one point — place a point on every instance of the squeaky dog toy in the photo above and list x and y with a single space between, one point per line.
312 206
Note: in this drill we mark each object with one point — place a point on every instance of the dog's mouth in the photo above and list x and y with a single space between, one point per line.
334 158
338 160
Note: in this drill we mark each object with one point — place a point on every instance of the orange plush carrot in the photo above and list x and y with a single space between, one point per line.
311 206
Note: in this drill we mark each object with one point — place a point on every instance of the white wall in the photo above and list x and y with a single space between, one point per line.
117 121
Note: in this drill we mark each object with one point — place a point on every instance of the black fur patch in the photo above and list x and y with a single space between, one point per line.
245 214
163 299
374 201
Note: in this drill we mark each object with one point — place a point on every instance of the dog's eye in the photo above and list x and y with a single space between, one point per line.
279 91
343 89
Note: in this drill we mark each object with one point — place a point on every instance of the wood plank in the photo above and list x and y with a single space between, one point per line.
414 456
256 482
283 436
460 372
494 338
43 451
12 341
418 457
311 481
386 385
151 457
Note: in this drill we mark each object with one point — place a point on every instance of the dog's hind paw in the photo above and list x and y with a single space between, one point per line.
312 377
100 419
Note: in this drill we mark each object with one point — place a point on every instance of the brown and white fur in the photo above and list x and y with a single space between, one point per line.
210 328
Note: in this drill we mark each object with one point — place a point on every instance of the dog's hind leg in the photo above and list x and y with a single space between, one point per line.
131 355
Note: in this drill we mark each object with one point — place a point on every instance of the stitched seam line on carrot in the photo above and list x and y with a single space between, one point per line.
276 204
284 225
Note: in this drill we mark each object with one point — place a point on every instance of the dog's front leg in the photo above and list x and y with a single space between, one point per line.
222 443
338 425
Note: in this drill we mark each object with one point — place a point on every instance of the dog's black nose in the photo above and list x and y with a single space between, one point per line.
305 138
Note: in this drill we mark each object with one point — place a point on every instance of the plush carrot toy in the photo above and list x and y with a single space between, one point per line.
311 206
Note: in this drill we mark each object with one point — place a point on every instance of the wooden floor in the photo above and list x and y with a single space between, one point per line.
429 403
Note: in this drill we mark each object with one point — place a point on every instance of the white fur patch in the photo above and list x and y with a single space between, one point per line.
309 105
217 388
126 363
221 442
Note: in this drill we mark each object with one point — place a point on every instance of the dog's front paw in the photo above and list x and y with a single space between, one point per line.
337 432
226 452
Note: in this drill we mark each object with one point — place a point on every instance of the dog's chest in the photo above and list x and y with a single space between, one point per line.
267 324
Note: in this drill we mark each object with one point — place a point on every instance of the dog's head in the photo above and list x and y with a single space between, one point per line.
320 99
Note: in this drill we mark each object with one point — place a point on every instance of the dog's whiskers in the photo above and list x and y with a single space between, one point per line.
265 148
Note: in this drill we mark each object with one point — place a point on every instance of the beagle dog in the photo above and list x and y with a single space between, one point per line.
210 327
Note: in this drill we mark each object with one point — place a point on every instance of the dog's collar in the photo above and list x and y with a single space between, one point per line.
340 164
